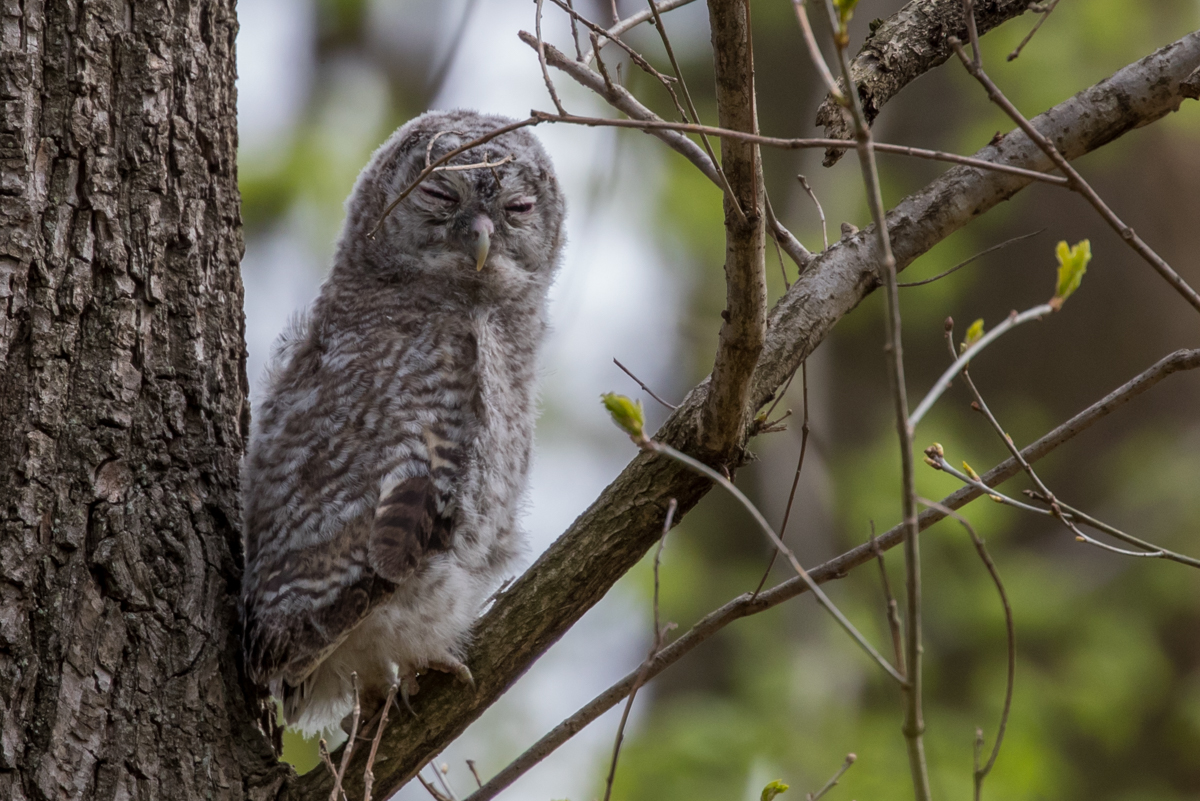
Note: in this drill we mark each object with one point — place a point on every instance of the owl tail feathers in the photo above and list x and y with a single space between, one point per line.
316 704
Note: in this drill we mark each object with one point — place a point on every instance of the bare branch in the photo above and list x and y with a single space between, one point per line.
647 389
1010 322
914 720
903 48
1045 14
981 772
541 50
656 125
829 785
726 409
820 211
630 22
659 633
977 256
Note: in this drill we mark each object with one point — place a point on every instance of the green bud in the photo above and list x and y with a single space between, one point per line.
773 789
974 334
625 413
1072 264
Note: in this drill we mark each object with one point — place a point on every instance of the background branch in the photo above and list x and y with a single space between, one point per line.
903 48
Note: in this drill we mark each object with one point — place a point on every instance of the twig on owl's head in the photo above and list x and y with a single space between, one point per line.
429 169
479 165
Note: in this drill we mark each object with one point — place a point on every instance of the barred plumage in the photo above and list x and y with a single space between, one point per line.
388 459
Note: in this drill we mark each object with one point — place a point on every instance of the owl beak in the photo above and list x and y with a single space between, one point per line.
483 229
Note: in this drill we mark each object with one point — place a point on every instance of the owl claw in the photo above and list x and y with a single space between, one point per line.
463 674
408 687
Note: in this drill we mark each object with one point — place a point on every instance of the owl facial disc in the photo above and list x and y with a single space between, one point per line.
482 228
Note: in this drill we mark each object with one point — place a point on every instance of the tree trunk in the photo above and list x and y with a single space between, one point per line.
123 405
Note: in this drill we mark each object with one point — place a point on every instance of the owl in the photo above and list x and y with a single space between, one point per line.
388 458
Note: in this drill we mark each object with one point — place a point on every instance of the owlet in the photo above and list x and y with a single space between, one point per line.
388 459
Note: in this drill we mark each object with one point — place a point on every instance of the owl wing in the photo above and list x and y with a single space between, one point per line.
415 515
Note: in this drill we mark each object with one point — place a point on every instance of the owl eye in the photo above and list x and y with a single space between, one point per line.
440 194
520 206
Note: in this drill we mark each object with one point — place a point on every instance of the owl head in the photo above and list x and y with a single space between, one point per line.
489 220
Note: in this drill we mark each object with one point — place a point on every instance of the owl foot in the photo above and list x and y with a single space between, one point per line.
408 687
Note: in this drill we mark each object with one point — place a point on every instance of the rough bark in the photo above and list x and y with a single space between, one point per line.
626 520
745 316
901 49
122 406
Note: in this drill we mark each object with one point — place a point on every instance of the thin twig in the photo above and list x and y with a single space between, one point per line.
893 609
641 384
962 264
578 55
369 773
1112 531
433 791
822 598
630 22
440 775
820 211
323 751
1010 322
541 49
659 633
912 688
937 461
972 32
829 785
1046 13
814 53
430 168
695 115
1010 630
804 430
349 747
474 772
748 604
438 76
797 144
1076 181
634 55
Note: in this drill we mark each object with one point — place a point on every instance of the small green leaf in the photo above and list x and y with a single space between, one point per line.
625 413
974 333
773 789
1072 264
845 9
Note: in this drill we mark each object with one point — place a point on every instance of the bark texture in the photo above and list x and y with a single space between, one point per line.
122 405
901 49
745 316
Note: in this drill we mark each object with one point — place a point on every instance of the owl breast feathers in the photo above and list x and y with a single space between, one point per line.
390 452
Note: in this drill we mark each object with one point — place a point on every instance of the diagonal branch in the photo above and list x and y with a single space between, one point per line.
626 520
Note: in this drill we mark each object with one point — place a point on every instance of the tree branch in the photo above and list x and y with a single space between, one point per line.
903 48
626 520
725 410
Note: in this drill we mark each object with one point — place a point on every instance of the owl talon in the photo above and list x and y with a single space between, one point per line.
408 687
463 674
